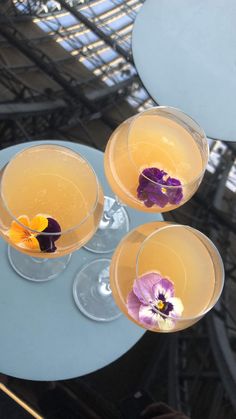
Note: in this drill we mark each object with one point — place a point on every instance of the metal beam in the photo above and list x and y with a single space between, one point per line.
109 91
44 62
13 110
15 85
107 39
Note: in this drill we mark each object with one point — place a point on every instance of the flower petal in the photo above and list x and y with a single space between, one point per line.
155 195
16 227
178 307
23 219
46 243
171 181
165 287
165 323
133 305
17 236
152 173
39 223
17 232
175 195
147 316
31 243
143 287
53 227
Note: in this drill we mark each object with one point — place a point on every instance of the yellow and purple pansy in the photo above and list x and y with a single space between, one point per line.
152 302
21 234
157 188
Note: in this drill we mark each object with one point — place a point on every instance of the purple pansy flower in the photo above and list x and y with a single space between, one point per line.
152 191
47 241
152 302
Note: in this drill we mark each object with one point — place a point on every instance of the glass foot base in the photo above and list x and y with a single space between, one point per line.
36 269
106 238
92 293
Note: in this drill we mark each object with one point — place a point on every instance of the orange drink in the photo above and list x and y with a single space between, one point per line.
155 160
165 277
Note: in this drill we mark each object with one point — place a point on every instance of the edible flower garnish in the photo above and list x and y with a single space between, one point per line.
20 234
152 302
157 188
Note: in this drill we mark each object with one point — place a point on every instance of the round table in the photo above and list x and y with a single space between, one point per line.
43 334
184 52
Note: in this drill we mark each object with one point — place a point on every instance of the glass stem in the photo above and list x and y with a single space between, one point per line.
107 218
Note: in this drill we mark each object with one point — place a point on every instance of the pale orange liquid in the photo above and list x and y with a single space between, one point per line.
56 182
152 141
175 253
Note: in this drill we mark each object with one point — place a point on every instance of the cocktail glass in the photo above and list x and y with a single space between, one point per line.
50 204
165 277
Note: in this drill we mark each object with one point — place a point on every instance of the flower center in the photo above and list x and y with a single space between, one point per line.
164 190
160 305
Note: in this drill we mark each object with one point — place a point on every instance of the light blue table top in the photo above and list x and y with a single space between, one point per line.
43 334
184 52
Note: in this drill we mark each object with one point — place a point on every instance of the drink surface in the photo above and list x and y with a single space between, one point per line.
151 141
55 182
175 253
